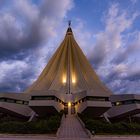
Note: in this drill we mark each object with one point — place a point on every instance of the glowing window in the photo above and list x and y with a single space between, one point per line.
64 80
73 78
118 103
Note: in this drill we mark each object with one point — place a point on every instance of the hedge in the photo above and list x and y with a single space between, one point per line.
38 127
102 127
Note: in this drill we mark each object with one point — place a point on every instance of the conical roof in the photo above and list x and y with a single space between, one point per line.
69 71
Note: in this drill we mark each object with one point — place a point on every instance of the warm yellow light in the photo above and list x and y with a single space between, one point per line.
118 103
64 79
69 104
73 78
73 81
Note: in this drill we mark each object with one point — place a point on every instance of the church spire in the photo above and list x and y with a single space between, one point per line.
69 71
69 30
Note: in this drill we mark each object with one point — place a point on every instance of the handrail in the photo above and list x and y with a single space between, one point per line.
86 130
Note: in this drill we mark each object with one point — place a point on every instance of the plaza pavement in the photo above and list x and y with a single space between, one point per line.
44 137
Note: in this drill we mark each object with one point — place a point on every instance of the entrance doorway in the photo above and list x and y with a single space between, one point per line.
66 109
69 108
72 109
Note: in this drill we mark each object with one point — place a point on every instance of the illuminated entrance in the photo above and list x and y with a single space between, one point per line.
69 108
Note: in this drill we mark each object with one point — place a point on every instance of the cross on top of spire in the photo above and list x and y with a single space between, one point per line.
69 23
69 30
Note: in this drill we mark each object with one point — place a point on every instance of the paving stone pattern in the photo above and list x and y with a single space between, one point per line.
71 128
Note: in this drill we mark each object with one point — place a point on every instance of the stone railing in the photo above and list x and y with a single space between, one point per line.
90 135
58 131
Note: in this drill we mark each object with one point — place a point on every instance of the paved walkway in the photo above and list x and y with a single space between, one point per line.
116 138
42 137
71 128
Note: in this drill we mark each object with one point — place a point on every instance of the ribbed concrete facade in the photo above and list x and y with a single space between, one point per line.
69 71
70 78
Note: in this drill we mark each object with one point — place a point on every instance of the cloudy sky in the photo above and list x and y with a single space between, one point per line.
108 31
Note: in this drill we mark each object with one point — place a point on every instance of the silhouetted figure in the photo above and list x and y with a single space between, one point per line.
65 114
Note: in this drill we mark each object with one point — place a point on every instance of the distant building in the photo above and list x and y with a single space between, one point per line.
68 82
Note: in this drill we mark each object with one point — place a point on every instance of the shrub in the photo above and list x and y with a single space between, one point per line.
39 127
102 127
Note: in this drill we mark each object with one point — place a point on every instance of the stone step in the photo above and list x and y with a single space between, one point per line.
71 128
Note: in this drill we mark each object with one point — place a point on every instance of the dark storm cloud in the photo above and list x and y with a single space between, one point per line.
113 75
16 39
123 80
98 55
125 54
133 76
26 25
15 75
51 8
25 29
15 83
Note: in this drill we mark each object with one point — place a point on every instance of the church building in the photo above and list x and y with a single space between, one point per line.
69 82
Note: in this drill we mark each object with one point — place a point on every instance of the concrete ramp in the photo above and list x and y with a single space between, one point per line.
72 128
